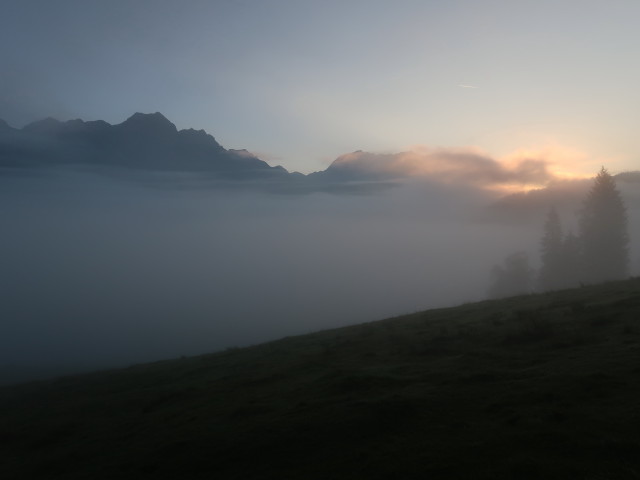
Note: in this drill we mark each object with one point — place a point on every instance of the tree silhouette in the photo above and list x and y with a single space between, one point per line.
571 260
514 277
603 232
560 256
552 272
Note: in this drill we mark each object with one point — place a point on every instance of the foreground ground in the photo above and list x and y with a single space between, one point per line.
543 386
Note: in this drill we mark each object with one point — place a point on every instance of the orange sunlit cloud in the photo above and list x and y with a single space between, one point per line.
522 170
467 166
564 163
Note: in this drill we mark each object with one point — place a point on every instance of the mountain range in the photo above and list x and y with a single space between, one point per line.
143 141
151 143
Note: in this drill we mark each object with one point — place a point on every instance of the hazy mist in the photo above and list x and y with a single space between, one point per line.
98 271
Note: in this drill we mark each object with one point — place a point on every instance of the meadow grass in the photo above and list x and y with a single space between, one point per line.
536 386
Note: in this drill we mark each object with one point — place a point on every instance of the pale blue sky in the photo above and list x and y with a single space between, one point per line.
300 82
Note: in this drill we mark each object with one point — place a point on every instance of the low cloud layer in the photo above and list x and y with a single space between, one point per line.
100 272
453 166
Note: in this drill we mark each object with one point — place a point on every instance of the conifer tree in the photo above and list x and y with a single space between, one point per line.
514 277
571 261
603 232
552 272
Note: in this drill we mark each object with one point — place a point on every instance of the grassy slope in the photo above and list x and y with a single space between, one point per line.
542 386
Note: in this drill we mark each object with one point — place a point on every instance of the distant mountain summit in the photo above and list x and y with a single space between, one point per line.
148 123
147 142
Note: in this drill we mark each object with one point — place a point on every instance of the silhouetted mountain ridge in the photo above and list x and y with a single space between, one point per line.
151 123
355 167
143 141
149 142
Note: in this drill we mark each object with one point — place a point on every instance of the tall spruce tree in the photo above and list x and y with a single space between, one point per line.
552 274
514 277
571 260
604 236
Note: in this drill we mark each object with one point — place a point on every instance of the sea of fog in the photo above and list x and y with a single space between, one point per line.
99 272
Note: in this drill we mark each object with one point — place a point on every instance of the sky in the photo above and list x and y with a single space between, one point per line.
300 83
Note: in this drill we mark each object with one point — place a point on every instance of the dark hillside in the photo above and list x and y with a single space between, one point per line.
541 386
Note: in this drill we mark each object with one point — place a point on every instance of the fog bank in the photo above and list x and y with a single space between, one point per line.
102 272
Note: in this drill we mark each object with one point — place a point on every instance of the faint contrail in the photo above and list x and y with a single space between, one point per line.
467 86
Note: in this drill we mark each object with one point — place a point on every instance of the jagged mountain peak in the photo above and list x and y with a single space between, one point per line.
144 141
148 122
